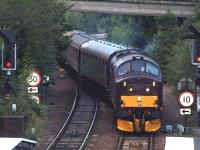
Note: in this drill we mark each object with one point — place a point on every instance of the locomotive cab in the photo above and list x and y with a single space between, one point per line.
138 83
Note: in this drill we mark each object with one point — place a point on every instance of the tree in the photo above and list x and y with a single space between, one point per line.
39 26
39 32
166 36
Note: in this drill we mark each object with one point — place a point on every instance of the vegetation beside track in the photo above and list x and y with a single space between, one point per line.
39 28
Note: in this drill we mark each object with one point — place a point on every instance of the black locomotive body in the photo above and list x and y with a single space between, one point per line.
133 80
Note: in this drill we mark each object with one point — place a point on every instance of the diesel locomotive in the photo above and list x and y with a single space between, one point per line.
134 80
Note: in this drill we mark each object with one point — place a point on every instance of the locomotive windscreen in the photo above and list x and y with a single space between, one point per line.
138 66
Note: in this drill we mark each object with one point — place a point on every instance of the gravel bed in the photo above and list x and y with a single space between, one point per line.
58 99
104 136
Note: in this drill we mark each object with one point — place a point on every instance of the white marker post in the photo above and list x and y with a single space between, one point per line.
186 100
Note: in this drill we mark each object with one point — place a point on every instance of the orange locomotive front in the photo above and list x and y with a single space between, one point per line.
138 96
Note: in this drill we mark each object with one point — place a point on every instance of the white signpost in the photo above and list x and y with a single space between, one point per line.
32 90
185 111
34 79
186 99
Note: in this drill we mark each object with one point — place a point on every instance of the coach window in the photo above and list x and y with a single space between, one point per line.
93 62
83 58
96 63
86 58
99 65
105 68
89 60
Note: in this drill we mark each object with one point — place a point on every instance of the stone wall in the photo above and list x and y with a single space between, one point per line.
12 126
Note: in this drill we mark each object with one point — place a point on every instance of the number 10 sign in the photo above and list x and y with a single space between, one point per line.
186 99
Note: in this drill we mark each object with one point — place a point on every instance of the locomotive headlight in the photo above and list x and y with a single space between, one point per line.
124 83
198 59
131 89
147 89
154 83
139 98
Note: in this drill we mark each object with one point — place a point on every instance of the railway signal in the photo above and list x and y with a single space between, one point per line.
8 50
196 52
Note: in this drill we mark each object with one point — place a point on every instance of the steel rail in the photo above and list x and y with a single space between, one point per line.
120 142
66 123
91 125
151 142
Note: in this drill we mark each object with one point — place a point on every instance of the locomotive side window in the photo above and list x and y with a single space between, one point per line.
151 69
123 69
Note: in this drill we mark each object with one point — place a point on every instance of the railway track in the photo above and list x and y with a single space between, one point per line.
76 129
128 142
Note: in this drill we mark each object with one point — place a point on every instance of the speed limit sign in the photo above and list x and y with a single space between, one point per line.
186 99
34 79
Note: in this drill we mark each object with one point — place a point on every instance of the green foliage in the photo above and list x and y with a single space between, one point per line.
127 30
121 34
39 32
170 50
163 43
39 25
179 60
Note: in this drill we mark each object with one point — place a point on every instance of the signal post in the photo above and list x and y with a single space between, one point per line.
196 61
8 57
197 83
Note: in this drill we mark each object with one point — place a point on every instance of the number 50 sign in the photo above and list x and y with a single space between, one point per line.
34 79
186 99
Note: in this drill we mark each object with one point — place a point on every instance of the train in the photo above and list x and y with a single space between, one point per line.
133 79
